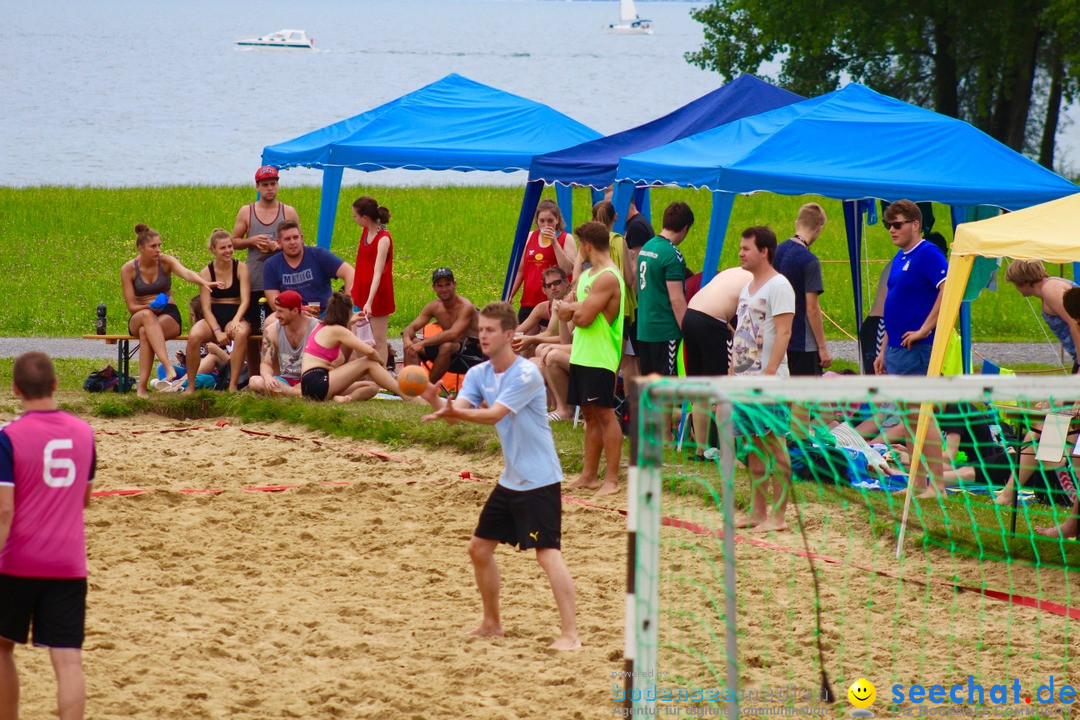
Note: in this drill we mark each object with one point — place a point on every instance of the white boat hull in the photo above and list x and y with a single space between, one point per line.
637 27
287 39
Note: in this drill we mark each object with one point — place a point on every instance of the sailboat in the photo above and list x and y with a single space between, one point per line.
629 22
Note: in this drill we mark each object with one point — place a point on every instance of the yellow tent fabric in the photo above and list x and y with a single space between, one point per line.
1049 232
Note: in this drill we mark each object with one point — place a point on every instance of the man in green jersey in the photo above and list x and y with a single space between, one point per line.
597 314
661 271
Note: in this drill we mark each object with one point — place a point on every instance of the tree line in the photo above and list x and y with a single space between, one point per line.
1005 66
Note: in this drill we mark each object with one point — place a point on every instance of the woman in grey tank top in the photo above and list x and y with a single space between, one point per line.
154 316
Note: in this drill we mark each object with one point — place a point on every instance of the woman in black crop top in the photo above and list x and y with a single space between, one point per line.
223 307
153 321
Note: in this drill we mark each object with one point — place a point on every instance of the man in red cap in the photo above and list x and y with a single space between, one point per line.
284 337
256 232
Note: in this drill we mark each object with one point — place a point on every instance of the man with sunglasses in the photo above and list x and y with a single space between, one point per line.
913 299
542 325
456 347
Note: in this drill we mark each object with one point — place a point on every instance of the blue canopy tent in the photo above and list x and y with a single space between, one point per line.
592 164
452 124
853 145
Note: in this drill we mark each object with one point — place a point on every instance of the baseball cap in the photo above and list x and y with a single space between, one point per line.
266 172
440 273
290 299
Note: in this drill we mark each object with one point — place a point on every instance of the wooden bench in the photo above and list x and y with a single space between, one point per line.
124 351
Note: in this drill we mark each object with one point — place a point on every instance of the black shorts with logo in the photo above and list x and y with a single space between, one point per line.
526 518
658 357
591 386
315 383
55 606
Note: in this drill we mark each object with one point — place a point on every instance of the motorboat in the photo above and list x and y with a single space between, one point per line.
629 22
297 39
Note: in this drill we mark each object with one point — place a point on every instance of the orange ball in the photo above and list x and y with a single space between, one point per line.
413 380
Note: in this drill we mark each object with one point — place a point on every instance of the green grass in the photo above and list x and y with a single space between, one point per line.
63 247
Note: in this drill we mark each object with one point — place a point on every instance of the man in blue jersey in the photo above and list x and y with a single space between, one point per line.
916 281
525 508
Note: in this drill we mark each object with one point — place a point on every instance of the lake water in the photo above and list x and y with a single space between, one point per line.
126 93
121 93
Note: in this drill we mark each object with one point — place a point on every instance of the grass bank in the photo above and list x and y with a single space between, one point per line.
63 247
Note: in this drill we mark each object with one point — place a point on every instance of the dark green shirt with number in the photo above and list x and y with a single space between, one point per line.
659 262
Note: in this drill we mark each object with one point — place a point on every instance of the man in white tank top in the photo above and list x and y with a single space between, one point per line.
256 231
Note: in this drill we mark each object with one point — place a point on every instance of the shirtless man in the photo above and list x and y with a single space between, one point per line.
256 231
707 336
460 322
284 337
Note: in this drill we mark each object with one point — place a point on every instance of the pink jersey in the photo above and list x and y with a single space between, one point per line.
48 456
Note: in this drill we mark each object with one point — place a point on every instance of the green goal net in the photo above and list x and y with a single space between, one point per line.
778 560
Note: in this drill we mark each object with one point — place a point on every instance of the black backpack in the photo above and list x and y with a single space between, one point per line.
108 380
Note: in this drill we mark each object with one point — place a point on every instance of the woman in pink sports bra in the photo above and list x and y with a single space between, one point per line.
320 378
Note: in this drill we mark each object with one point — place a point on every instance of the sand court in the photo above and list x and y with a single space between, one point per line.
325 600
353 600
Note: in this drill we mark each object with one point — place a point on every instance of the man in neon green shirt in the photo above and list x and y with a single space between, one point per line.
597 315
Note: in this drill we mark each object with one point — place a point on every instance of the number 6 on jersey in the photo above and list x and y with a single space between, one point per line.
59 472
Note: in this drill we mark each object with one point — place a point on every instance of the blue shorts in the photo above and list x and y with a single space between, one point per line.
915 361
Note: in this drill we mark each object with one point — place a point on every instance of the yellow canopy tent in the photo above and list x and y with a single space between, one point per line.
1049 232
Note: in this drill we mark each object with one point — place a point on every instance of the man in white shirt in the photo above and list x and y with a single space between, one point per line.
759 347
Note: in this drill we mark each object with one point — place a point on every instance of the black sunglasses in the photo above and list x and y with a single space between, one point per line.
553 283
898 224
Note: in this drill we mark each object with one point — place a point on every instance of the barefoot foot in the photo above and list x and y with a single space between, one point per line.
487 631
610 487
565 642
770 526
588 483
748 521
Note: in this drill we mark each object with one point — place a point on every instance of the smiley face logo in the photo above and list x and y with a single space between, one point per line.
862 694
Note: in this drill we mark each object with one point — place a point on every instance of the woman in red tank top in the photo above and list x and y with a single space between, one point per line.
546 247
373 285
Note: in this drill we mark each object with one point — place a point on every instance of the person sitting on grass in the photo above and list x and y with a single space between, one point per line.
320 378
526 340
223 309
285 336
154 315
451 349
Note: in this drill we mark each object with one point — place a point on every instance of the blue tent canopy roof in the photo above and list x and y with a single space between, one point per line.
593 163
850 144
452 124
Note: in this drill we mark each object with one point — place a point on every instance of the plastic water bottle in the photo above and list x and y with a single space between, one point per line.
99 323
262 314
